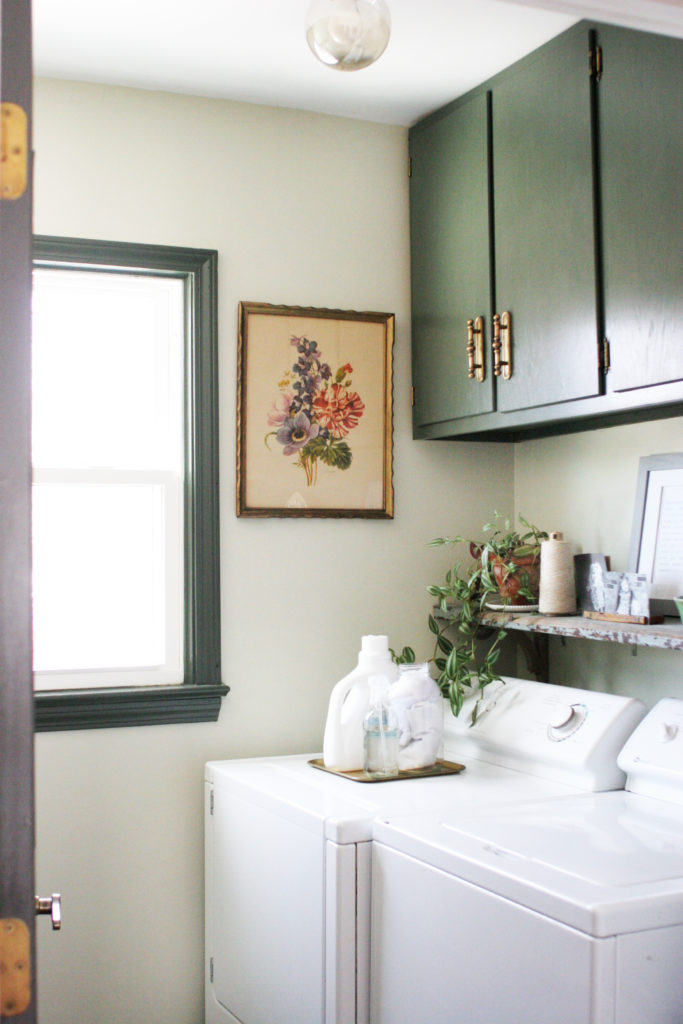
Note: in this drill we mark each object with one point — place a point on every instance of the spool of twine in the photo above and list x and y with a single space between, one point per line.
557 594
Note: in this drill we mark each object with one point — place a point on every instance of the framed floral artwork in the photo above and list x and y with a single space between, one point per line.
314 412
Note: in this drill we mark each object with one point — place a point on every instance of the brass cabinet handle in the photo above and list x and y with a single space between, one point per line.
475 349
502 345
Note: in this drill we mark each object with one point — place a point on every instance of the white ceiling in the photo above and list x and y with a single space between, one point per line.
255 50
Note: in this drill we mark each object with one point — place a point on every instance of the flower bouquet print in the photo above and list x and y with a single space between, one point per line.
314 412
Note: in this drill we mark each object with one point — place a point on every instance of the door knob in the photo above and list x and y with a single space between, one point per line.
51 905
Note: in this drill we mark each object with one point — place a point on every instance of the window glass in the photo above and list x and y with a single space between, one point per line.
108 478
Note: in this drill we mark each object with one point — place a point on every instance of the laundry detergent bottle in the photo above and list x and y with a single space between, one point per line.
349 703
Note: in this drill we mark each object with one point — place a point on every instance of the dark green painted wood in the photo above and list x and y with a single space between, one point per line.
449 260
552 121
615 408
641 156
544 226
17 829
198 698
128 706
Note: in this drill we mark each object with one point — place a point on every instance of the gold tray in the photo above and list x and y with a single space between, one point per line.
440 768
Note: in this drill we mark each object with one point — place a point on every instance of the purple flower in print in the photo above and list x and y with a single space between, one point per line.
296 432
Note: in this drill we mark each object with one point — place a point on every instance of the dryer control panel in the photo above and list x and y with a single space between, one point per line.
653 756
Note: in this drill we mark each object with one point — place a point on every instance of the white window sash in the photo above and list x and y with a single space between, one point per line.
170 670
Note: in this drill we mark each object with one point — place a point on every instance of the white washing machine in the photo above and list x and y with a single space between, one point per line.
288 847
567 911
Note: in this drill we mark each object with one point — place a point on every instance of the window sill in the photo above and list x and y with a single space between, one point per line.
56 710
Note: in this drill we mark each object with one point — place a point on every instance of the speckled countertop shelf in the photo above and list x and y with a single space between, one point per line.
669 635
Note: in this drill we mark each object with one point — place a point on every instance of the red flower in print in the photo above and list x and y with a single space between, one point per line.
338 409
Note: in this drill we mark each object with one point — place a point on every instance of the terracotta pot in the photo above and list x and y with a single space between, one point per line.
527 574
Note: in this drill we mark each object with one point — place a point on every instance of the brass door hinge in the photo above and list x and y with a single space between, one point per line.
15 966
13 151
595 63
410 166
412 396
604 356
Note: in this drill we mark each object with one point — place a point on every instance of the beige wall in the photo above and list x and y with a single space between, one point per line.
585 485
308 210
303 210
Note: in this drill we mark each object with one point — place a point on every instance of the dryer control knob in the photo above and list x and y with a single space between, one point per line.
667 732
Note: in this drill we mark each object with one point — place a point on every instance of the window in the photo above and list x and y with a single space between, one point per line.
125 495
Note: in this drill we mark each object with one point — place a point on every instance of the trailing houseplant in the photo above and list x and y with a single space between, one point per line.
504 571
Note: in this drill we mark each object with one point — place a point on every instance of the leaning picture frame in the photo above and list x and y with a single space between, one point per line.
314 412
657 532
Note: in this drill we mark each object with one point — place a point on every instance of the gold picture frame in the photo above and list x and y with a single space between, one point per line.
314 412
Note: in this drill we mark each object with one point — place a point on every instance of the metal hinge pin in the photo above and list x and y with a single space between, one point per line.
595 63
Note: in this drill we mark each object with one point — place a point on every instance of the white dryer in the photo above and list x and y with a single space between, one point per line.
288 847
567 911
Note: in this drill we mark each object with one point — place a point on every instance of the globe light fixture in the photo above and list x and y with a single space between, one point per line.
348 34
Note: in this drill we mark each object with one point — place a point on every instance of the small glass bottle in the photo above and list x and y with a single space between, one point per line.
380 732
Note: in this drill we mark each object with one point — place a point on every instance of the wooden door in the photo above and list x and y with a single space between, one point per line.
641 156
17 913
545 264
449 225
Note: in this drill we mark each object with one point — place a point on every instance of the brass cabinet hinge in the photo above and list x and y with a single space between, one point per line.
13 151
412 397
604 355
15 967
595 63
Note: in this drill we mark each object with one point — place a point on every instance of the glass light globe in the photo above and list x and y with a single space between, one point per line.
348 34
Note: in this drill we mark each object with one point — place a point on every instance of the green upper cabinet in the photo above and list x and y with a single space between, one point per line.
449 261
544 226
641 159
551 195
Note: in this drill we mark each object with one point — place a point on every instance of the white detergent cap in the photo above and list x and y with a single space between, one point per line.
375 644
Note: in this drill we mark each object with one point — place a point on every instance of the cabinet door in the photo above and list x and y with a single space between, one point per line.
544 226
450 260
641 155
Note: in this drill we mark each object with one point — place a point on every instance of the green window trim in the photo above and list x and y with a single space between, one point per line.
198 698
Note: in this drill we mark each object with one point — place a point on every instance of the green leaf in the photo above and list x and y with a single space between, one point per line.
444 644
337 454
315 448
433 626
